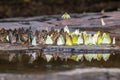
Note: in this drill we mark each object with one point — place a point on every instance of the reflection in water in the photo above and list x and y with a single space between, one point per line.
106 57
77 57
11 56
32 57
63 56
48 57
35 62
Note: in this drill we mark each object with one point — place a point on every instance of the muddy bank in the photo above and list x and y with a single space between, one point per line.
90 22
85 21
77 74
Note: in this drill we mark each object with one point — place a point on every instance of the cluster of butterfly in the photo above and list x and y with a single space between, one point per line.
65 37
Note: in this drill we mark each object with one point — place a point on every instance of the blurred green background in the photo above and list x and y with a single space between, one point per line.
25 8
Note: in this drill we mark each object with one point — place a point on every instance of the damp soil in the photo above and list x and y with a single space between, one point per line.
41 66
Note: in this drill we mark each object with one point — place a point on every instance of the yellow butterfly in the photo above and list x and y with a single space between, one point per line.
65 16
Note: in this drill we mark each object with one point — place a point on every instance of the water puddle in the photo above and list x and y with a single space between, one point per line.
27 63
